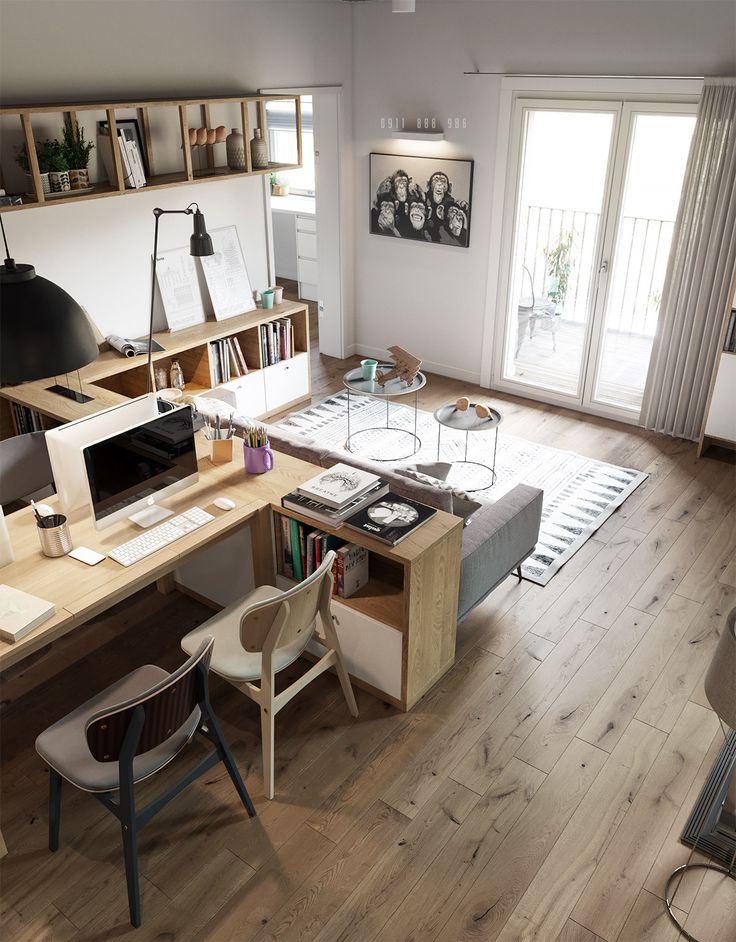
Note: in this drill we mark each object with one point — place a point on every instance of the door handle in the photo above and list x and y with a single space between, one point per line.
604 267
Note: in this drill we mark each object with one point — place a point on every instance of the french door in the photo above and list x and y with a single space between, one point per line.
594 188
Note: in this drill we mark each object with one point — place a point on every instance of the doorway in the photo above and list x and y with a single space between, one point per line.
596 188
306 232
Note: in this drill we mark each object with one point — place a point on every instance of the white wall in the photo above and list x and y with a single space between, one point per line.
64 50
430 298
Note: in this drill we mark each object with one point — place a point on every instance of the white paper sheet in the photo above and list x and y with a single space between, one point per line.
176 275
226 275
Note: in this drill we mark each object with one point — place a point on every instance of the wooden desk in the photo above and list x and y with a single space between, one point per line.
80 592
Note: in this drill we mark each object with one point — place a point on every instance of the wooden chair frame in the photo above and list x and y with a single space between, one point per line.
262 628
124 809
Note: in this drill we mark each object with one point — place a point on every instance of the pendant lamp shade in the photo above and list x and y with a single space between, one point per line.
43 331
720 681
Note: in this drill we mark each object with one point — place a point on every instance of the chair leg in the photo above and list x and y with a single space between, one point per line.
267 724
347 687
518 572
55 781
229 763
130 850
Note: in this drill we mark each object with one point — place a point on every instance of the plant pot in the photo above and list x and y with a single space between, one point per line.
235 149
45 184
60 181
79 179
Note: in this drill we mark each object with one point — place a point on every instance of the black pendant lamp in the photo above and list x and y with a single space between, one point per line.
43 331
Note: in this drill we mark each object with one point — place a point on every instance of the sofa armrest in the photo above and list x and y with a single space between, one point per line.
498 538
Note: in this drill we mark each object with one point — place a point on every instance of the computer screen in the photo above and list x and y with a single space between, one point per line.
135 466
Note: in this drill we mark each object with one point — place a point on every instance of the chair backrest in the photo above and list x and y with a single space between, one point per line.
24 466
167 706
289 617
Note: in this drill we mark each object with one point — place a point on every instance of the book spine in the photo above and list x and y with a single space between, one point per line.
296 558
340 572
303 549
241 358
127 171
310 553
286 547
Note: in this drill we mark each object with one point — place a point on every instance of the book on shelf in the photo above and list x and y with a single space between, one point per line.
277 340
328 515
20 613
239 354
339 485
390 519
25 419
304 548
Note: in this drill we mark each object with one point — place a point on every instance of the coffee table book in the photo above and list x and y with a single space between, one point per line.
338 486
390 519
323 514
21 613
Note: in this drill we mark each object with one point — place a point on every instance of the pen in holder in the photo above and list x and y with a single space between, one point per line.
257 454
54 535
220 440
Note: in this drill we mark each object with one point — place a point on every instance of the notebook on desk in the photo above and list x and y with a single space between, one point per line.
20 613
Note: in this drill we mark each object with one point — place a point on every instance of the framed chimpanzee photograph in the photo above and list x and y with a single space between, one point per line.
422 198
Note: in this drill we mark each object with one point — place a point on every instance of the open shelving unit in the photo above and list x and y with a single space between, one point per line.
113 378
397 633
163 125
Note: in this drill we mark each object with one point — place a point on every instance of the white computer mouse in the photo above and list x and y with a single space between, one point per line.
224 503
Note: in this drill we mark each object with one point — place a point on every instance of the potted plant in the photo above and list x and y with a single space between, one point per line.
21 157
559 267
58 167
77 151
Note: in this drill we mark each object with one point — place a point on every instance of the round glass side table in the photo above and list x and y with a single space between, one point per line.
354 383
452 417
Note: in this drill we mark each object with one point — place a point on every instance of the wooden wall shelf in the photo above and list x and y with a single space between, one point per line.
251 111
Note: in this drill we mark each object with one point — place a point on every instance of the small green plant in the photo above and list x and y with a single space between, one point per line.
76 148
21 158
44 150
273 179
56 155
559 267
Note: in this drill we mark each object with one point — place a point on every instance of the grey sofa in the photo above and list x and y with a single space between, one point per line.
496 540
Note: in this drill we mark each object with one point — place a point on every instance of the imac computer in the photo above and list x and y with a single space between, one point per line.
132 470
65 444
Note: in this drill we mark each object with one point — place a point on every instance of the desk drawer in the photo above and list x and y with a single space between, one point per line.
246 394
306 245
306 224
307 270
286 381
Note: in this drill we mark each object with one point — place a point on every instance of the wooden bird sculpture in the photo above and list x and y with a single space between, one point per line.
406 367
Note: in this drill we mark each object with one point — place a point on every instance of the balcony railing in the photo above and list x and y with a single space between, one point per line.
641 257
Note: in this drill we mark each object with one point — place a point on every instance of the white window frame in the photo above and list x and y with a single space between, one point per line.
505 193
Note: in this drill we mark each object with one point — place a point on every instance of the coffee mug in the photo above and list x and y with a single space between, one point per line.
278 294
369 368
257 460
267 300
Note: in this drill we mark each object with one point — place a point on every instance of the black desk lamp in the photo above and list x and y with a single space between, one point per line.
200 245
43 331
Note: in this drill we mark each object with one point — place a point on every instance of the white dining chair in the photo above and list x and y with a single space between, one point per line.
266 631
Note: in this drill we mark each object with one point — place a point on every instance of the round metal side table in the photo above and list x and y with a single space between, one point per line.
354 383
451 417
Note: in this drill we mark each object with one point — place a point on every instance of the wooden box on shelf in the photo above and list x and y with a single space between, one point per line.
397 632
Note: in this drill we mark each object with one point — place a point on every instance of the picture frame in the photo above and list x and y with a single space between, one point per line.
131 125
423 199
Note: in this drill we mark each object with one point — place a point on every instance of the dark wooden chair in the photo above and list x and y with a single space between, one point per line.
129 731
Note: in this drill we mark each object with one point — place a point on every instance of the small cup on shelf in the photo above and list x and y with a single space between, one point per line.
267 298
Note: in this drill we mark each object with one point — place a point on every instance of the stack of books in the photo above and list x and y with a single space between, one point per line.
305 547
335 494
277 341
226 360
130 156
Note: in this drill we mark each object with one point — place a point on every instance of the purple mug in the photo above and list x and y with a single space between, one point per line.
257 460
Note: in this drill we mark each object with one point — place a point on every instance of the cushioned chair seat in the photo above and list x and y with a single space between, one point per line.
229 659
64 747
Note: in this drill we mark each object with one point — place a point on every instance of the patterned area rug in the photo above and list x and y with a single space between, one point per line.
579 493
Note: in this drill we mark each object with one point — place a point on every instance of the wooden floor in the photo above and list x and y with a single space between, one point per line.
535 793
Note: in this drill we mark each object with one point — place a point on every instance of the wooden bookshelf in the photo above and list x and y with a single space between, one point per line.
113 378
250 110
397 632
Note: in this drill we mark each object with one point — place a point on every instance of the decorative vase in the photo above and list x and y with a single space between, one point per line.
59 180
235 149
79 178
258 151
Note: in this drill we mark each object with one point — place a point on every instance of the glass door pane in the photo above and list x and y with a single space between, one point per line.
563 181
658 150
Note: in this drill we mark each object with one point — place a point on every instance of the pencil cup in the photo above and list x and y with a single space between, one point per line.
221 450
55 537
257 460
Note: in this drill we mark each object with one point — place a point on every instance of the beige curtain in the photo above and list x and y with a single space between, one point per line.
700 272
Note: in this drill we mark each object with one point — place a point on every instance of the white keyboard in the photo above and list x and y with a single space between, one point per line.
158 537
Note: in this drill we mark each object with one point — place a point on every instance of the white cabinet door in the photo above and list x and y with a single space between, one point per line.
306 245
306 224
371 649
286 381
246 394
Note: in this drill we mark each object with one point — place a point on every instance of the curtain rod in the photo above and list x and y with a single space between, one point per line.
581 75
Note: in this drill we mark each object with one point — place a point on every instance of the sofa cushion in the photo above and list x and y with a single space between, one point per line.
462 504
298 446
425 493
